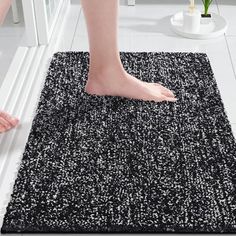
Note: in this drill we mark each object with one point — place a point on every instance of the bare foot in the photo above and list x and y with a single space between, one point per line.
7 122
116 82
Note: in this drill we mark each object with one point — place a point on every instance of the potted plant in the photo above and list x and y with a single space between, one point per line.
206 4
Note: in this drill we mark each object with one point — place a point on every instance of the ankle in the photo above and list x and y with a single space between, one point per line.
102 73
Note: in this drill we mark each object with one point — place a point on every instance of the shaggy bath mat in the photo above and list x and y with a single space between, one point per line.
110 164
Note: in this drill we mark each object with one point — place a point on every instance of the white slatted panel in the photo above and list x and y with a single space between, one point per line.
23 92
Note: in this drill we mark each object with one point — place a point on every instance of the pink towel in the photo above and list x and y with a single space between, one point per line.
4 7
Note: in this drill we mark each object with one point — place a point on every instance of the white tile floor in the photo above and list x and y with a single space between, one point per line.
145 27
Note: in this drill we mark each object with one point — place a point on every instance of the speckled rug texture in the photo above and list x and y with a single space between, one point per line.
108 164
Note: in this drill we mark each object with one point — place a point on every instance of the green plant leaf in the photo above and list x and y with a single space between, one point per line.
206 4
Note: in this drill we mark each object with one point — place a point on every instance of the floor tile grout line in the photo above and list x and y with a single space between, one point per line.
230 55
76 28
227 44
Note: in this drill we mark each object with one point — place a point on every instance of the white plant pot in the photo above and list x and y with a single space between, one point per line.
209 27
191 21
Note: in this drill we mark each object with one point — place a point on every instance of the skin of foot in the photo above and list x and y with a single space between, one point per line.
7 122
107 75
117 82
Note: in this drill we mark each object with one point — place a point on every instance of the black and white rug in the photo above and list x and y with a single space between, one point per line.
110 164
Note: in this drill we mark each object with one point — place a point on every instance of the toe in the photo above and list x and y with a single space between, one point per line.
163 89
2 128
167 92
13 121
171 99
158 97
4 122
162 98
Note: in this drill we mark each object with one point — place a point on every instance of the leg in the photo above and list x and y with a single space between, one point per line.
7 122
106 73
